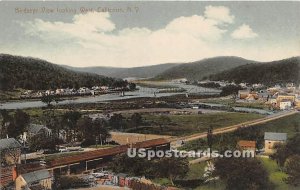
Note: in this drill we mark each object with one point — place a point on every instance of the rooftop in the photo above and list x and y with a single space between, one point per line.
35 128
36 176
9 143
244 143
275 136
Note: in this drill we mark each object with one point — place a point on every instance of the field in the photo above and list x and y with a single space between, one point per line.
180 125
289 125
232 103
276 175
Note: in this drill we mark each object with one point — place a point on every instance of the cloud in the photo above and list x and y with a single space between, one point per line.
93 39
219 13
244 32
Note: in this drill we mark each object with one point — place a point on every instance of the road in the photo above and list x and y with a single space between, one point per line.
231 128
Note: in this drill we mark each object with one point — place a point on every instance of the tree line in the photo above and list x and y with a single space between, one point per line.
35 74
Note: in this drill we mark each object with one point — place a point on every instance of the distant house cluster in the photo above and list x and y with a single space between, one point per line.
82 91
283 98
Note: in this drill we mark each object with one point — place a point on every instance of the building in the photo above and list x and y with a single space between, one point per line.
40 179
281 98
273 138
35 129
285 105
242 94
247 145
8 175
247 95
10 150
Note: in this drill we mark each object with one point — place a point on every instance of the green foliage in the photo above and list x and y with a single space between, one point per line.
230 90
13 125
271 73
136 119
170 167
201 69
292 167
283 151
242 173
92 131
116 121
42 141
37 74
210 85
135 166
48 99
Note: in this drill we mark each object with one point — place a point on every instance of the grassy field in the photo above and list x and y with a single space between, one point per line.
276 176
289 125
181 125
11 95
232 103
154 84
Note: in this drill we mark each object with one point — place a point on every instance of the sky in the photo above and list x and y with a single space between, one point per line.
132 34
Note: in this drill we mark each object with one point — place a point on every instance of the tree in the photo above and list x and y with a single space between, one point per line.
136 119
48 99
172 168
100 130
242 173
92 130
134 166
15 125
230 90
42 141
292 168
6 120
116 121
283 151
210 139
162 121
70 120
132 86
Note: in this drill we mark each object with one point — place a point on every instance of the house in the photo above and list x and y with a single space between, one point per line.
281 98
242 94
247 95
35 129
40 179
10 150
285 105
247 145
273 138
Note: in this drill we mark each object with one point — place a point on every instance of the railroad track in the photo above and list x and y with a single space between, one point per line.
231 128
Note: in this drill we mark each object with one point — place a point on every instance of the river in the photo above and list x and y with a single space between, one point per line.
140 93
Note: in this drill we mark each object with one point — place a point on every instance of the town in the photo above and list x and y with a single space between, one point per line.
140 95
78 147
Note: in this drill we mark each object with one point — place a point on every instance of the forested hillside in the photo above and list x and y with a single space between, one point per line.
269 73
201 69
37 74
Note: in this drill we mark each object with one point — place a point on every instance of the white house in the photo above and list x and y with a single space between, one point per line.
285 105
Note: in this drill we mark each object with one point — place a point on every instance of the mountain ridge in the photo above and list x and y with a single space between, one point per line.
37 74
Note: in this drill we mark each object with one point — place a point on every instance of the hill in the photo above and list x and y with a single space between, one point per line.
269 73
143 72
203 68
37 74
104 71
139 72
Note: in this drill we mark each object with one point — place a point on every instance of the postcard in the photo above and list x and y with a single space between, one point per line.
149 95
